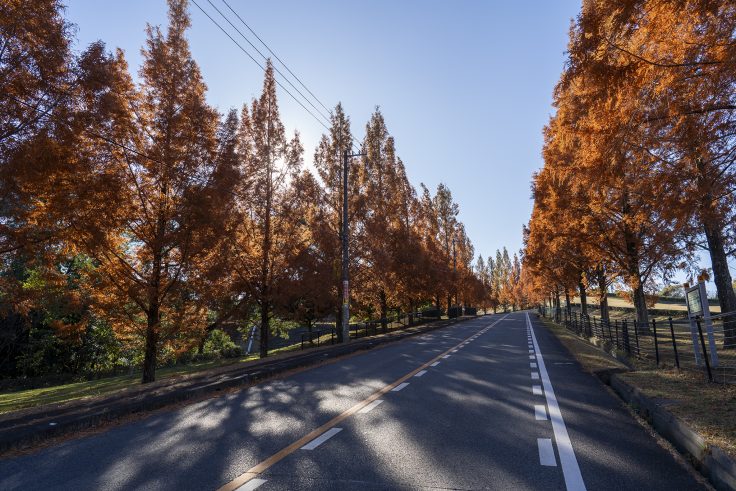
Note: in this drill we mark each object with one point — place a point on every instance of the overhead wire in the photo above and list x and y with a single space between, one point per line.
285 78
355 143
296 77
260 65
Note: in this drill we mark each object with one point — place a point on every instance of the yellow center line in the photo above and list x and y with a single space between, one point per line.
262 466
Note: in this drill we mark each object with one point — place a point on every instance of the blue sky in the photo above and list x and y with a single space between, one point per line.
465 86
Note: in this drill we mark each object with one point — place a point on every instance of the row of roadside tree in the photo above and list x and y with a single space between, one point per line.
638 177
137 220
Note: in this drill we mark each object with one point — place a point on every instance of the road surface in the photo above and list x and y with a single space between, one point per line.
491 403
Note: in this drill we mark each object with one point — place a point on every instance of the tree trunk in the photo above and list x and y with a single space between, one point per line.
384 311
568 305
449 304
640 303
723 281
605 316
264 329
632 253
149 360
583 298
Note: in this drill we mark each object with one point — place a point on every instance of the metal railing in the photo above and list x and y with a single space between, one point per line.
369 328
665 342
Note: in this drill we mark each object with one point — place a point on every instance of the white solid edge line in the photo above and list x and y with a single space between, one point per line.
540 412
251 485
570 467
370 406
537 390
419 374
322 438
400 387
546 452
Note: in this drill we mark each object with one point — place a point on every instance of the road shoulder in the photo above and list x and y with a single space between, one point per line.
678 406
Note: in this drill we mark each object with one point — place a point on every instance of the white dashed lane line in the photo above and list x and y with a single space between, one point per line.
251 485
540 412
400 387
370 406
322 438
546 452
537 390
420 373
535 376
434 364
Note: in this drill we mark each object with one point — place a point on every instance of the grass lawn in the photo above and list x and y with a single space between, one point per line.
709 408
22 399
13 401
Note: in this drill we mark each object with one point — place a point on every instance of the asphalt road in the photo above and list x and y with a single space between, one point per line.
490 403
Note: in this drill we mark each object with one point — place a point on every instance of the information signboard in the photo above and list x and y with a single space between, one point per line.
694 305
698 311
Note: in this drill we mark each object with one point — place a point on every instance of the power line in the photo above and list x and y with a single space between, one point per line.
266 58
276 56
261 66
353 139
329 111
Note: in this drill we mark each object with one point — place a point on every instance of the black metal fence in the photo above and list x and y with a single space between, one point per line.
708 347
371 327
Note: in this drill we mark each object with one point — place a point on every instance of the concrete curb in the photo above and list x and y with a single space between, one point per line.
37 424
710 460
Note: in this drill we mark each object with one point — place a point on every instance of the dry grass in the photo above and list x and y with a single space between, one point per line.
710 409
590 357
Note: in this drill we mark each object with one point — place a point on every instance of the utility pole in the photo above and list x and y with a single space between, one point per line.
345 250
454 273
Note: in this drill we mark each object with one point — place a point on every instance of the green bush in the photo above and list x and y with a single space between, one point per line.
219 344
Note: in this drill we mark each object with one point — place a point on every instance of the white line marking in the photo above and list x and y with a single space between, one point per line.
322 438
370 406
540 412
434 364
537 390
531 357
419 374
531 351
251 485
570 467
446 356
535 376
399 387
546 452
454 351
533 365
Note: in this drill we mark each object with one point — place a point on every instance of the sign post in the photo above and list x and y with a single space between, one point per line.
698 308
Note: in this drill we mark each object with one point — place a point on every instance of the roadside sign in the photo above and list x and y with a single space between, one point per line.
694 305
697 308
